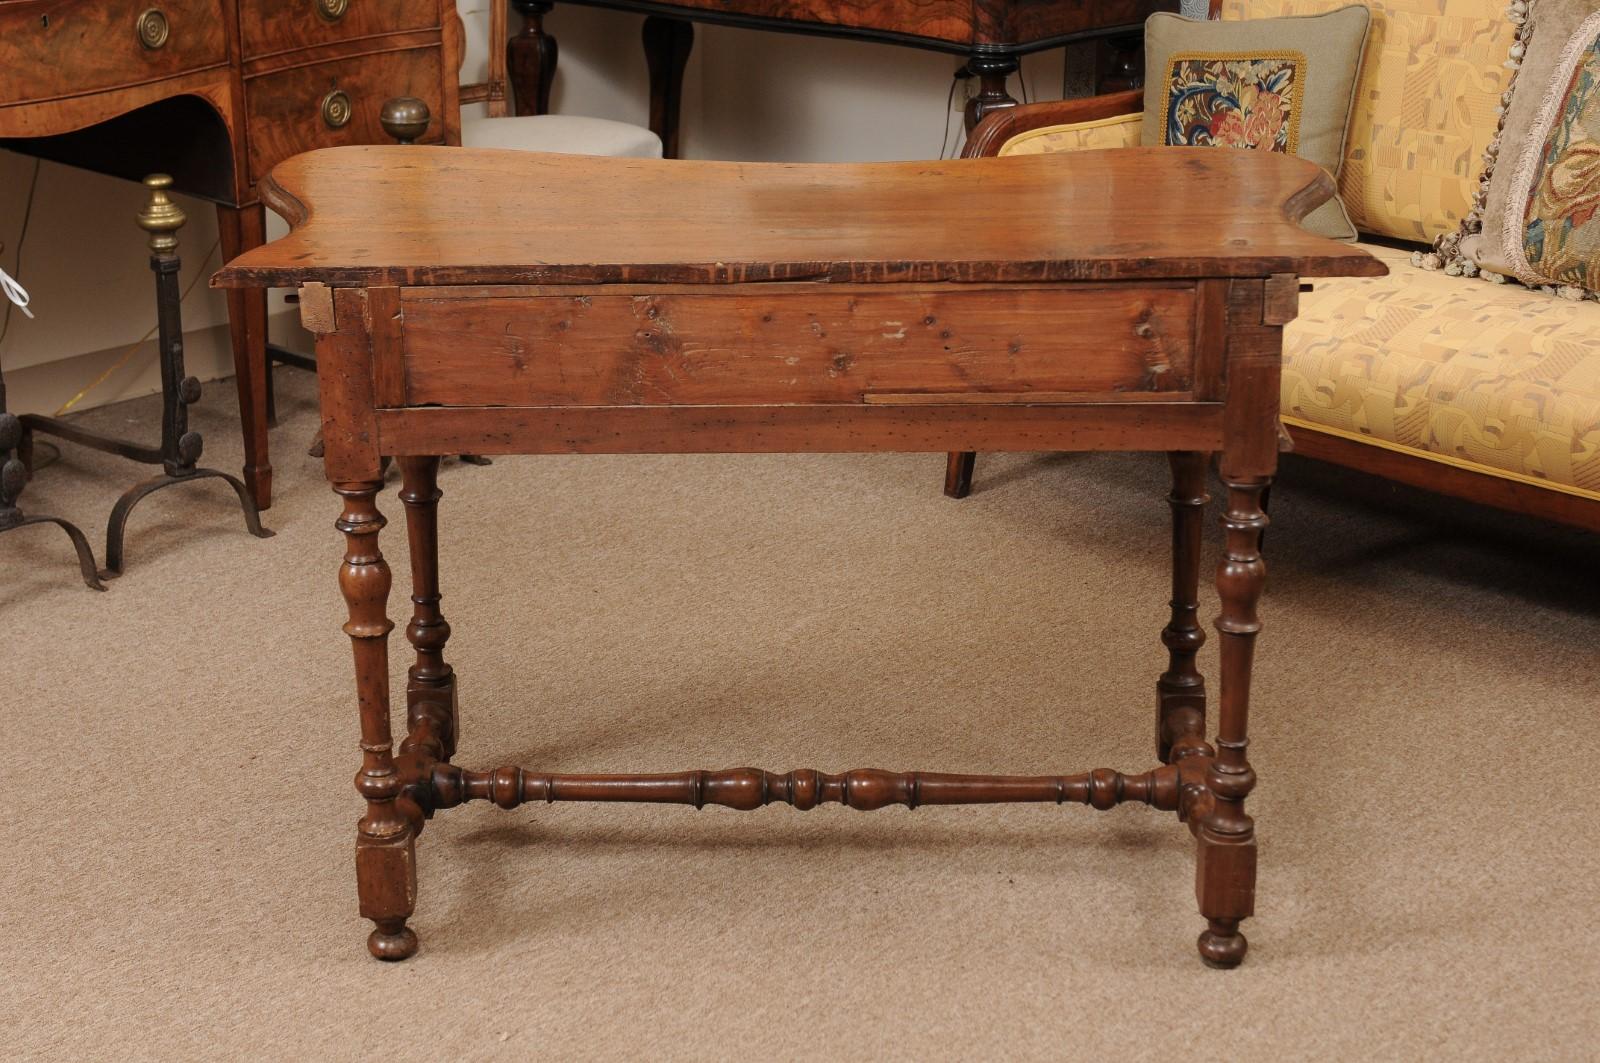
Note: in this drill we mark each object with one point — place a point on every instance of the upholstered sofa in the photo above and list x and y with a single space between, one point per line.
1482 390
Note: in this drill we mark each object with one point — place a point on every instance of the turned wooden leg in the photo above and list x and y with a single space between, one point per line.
667 43
958 473
991 72
1120 63
386 868
531 59
240 229
1181 690
431 685
1226 869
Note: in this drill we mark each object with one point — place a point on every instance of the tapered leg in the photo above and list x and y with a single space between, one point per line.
667 43
431 685
531 59
240 229
386 869
1226 868
958 473
1181 690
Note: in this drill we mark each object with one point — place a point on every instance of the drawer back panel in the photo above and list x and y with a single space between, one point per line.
51 48
852 345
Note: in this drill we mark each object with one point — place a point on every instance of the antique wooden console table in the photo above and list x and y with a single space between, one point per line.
1128 300
992 35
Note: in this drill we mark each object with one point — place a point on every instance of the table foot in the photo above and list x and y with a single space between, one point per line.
958 473
392 940
1221 944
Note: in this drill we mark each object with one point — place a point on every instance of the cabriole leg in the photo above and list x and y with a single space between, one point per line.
1226 868
1181 690
386 870
431 688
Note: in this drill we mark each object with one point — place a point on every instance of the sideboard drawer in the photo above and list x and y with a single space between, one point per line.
890 344
51 48
267 27
337 102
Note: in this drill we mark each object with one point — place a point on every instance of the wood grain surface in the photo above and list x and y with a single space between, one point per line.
405 216
469 346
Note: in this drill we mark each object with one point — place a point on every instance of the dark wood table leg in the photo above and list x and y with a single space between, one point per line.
240 229
958 466
667 44
1181 690
386 866
431 686
1119 63
531 59
991 72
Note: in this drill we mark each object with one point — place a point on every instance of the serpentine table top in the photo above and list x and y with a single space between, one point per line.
499 302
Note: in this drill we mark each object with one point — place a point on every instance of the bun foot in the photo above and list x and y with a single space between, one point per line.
391 942
1221 944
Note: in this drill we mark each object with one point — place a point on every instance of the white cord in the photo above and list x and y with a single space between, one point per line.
15 292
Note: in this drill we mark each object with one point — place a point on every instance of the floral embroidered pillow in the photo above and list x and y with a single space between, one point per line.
1277 84
1539 219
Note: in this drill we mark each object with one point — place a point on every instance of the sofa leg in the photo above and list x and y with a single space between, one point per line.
958 473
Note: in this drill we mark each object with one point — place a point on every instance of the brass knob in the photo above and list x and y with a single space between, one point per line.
405 118
332 10
152 29
161 217
336 109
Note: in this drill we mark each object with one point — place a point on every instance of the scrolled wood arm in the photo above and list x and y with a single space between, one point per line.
1000 126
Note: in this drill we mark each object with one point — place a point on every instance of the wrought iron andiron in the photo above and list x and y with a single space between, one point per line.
15 444
180 448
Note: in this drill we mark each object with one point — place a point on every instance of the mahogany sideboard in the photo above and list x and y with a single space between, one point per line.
992 35
217 92
504 302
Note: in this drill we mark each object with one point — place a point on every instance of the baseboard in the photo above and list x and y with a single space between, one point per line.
207 354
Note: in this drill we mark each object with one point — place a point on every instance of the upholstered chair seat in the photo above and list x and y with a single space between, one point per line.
563 134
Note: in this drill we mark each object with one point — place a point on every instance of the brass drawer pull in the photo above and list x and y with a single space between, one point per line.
336 109
332 10
152 29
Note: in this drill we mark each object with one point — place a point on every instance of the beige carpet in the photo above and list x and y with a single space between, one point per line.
177 879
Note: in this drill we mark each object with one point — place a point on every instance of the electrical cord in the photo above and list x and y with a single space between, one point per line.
22 236
949 104
122 359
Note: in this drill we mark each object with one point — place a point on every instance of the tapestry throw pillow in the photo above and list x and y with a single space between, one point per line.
1541 213
1279 84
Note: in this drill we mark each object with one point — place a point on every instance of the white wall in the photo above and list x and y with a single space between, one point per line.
748 95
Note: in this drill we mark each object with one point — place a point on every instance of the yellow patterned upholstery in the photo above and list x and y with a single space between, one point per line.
1121 131
1425 108
1491 377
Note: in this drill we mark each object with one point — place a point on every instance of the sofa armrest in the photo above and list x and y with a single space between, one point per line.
991 134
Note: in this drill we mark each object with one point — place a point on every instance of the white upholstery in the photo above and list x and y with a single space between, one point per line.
562 133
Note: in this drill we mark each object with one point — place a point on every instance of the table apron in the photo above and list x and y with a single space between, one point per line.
801 345
830 428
